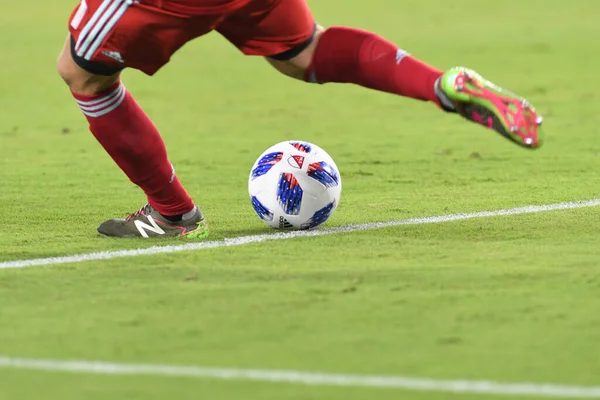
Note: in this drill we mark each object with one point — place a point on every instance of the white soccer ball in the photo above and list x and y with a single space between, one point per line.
294 185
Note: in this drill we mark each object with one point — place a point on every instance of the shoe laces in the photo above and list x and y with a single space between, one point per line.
145 210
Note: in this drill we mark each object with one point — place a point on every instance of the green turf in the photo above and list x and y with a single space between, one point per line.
506 298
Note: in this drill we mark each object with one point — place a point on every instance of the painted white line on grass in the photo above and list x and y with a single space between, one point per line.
238 241
307 378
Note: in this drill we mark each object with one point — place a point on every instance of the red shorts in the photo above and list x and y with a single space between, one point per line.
144 35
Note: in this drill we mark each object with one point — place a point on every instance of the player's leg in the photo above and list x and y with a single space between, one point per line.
362 58
128 136
355 56
284 32
296 61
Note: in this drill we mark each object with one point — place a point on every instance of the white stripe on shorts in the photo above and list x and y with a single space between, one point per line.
109 26
86 36
105 104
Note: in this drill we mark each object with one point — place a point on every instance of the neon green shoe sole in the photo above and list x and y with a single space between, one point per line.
199 233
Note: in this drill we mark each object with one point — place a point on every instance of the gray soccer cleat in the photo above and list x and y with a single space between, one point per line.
147 222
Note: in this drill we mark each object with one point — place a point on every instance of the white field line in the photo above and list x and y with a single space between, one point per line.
307 378
238 241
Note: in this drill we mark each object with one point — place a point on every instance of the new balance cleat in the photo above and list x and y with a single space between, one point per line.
147 222
485 103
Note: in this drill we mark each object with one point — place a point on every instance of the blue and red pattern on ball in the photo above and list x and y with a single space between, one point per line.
266 163
319 217
261 210
289 194
324 173
305 147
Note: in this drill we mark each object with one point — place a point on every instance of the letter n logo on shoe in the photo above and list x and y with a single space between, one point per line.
143 227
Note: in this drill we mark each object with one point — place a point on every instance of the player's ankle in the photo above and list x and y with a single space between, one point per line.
180 217
445 102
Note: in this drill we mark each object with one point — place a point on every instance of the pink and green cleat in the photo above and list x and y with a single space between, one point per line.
485 103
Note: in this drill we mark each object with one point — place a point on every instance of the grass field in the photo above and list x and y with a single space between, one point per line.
507 299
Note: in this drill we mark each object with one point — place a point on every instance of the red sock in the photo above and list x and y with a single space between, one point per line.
133 142
347 55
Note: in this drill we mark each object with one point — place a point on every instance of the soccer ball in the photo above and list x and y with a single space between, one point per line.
294 185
